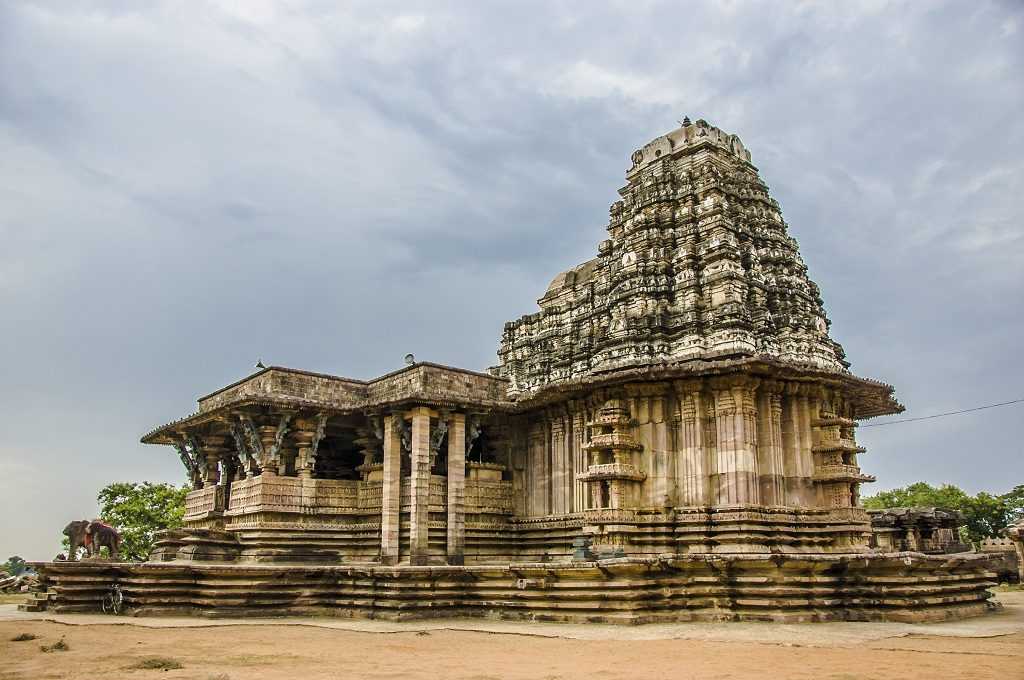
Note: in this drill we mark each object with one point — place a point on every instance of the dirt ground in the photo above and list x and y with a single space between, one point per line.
988 647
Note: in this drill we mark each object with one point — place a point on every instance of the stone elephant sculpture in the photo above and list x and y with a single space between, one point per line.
92 536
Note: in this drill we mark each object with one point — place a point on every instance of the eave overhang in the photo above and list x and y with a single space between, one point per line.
288 389
871 398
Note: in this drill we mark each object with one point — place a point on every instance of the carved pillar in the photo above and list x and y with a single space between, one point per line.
307 434
419 487
457 488
268 435
304 462
391 490
692 457
736 419
214 449
770 473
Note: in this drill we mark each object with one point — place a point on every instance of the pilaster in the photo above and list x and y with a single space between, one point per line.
736 420
579 455
807 410
692 469
798 463
770 475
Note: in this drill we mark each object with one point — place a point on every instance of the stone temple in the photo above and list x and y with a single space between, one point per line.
671 436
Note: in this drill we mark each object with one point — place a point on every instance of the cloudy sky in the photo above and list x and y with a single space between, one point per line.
188 187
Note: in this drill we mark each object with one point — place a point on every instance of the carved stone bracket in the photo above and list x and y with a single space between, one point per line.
405 431
282 432
252 435
245 455
190 462
321 429
437 436
473 431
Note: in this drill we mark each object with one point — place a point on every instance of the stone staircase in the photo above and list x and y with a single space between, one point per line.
37 602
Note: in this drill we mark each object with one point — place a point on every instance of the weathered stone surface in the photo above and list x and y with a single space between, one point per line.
897 587
1004 556
677 404
927 530
698 265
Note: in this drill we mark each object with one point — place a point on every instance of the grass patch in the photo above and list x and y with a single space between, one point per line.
58 646
13 598
1009 587
24 637
157 663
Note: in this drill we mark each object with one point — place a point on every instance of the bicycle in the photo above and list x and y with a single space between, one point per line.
113 600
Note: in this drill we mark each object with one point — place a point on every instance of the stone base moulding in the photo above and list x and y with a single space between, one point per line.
906 587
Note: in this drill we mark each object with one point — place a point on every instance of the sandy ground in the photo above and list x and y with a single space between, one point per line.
985 647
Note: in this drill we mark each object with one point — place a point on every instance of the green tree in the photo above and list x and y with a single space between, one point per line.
985 514
14 565
920 494
1014 500
138 511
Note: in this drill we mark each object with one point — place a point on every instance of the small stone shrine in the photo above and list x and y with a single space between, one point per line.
927 530
670 437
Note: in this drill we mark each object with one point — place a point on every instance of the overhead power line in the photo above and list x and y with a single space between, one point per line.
943 415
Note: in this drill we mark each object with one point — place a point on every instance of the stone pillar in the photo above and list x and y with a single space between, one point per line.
457 489
419 488
304 430
391 489
770 473
303 433
736 462
268 437
214 448
692 464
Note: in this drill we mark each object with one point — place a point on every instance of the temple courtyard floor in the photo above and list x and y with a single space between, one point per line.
99 646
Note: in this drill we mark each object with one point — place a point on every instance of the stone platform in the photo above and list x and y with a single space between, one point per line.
903 587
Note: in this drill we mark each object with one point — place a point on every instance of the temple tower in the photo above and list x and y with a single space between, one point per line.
741 407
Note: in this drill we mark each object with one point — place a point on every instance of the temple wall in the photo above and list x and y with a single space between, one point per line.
728 463
735 441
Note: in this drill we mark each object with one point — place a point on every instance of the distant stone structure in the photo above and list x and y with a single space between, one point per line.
1005 558
670 437
926 530
1016 534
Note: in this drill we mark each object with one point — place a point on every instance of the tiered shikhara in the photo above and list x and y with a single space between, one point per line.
670 437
